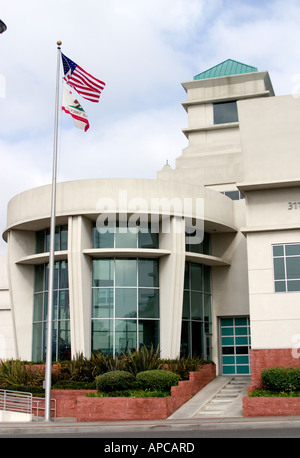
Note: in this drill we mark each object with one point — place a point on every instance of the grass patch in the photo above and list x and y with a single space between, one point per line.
261 393
130 394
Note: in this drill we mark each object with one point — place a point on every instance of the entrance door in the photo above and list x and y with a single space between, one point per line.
235 345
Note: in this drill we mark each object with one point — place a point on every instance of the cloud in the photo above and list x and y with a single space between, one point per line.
143 141
258 33
143 50
23 166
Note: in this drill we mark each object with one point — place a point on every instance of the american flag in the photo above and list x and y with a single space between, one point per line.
85 84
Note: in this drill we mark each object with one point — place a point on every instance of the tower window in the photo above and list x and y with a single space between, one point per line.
225 112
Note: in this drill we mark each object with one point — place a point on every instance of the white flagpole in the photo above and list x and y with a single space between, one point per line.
48 370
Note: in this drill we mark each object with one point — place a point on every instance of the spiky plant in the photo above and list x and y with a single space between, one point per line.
184 365
14 372
142 359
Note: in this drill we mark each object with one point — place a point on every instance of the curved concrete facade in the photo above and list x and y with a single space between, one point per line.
31 209
175 205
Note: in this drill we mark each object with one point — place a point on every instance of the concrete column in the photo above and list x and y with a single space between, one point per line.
21 287
79 238
171 288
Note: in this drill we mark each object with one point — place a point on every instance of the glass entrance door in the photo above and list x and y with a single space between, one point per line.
235 345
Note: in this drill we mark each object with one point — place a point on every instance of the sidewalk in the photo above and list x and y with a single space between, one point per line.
65 427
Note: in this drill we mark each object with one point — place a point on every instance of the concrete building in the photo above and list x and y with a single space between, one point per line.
204 259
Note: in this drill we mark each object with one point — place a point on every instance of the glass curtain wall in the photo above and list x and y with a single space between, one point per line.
125 304
121 236
199 248
60 240
61 346
196 312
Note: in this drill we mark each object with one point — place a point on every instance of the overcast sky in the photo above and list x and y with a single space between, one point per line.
143 50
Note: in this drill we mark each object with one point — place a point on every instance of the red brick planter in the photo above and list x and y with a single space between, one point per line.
270 407
266 359
74 403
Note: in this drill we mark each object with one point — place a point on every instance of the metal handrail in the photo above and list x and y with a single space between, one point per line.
16 401
24 402
38 404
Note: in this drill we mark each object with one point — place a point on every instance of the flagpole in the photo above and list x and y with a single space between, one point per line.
48 370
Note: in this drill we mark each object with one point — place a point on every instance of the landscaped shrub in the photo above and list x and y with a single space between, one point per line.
73 385
157 379
281 379
80 372
114 381
184 365
36 391
142 359
130 394
261 393
81 369
14 372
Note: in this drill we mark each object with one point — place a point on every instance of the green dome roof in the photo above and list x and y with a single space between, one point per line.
226 68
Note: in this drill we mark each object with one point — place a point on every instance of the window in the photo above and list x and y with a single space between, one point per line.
234 195
61 347
286 261
196 311
201 248
225 112
125 304
60 241
124 237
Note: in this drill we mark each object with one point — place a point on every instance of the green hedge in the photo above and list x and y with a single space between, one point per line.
157 379
260 393
281 379
73 385
153 380
114 381
34 390
130 394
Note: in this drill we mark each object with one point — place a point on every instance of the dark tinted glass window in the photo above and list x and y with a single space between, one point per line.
225 112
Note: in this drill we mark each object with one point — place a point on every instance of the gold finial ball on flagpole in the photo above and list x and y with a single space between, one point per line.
59 43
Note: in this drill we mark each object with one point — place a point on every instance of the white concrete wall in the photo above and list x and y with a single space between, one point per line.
7 340
270 138
21 284
275 317
8 416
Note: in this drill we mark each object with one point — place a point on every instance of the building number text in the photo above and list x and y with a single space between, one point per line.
294 206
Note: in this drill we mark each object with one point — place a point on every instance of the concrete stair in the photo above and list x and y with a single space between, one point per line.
227 402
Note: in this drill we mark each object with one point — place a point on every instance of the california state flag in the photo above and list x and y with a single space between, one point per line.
71 106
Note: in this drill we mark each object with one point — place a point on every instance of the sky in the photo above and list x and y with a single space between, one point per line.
143 50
